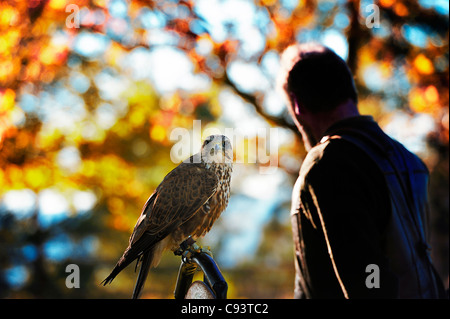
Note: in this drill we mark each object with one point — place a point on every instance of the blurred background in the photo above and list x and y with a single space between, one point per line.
90 92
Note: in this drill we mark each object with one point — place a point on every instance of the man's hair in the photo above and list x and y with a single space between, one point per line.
316 77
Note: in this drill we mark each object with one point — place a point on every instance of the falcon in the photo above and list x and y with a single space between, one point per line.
186 203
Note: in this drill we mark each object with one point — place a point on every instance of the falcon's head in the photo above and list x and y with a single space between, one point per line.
217 149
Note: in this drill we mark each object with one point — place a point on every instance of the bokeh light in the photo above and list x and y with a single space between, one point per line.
86 116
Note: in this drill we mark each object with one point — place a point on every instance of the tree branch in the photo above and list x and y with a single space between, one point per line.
254 101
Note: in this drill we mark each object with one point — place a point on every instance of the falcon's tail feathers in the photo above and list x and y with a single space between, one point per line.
143 272
123 262
117 269
145 243
108 279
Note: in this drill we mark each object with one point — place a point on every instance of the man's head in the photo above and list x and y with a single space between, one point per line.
317 83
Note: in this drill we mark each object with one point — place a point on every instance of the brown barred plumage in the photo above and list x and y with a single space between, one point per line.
186 203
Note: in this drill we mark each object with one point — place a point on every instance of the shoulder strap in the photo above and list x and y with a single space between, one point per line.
391 155
390 158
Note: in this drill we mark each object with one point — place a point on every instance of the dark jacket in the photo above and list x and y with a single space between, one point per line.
361 200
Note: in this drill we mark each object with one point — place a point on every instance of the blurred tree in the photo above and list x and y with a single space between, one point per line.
82 109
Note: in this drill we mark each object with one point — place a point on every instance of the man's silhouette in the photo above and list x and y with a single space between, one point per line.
359 206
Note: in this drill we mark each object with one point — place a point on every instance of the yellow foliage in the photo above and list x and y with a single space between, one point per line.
100 3
53 54
158 133
365 58
138 117
7 100
431 94
172 104
120 223
122 129
113 55
425 100
2 180
88 168
134 189
423 65
9 41
33 70
37 177
58 4
371 106
14 177
115 205
8 15
268 2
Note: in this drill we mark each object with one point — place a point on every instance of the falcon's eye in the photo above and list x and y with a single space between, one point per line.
206 142
224 143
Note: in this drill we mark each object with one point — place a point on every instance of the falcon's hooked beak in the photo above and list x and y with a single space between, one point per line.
217 149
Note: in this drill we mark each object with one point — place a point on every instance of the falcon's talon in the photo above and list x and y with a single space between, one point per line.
186 258
184 246
188 248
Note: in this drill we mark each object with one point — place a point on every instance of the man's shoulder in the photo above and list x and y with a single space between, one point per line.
328 153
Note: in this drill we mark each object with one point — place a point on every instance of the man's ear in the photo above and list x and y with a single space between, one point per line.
299 109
